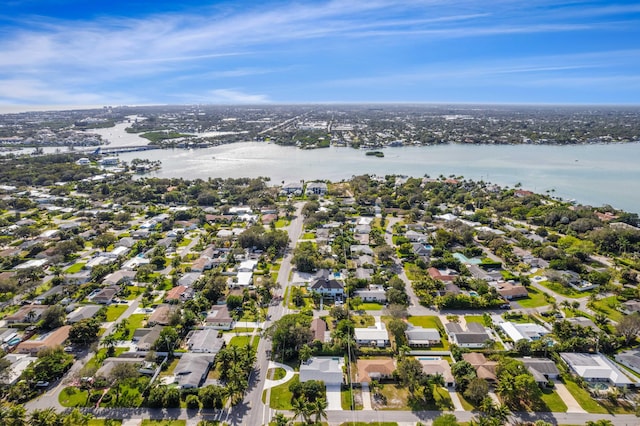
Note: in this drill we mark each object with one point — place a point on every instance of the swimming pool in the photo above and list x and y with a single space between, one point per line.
473 293
464 259
429 358
14 341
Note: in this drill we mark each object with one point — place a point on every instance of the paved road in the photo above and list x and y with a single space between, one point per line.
252 411
415 308
338 417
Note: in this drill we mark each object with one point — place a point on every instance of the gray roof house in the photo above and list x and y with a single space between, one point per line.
146 337
542 369
205 341
474 336
630 358
83 312
327 287
192 369
421 337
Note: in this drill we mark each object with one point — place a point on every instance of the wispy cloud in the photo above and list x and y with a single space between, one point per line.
231 96
156 56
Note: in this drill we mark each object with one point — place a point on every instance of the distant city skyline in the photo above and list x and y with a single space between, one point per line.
72 52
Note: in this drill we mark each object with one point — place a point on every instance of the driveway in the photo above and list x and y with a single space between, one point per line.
572 404
334 402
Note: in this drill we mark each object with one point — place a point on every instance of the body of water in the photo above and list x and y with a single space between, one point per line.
591 174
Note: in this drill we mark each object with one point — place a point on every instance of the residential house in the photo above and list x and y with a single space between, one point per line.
119 277
105 296
161 315
596 368
317 188
445 275
416 237
319 330
328 288
326 369
375 369
294 188
205 341
360 249
436 366
375 335
630 358
78 278
82 313
52 339
421 250
630 307
192 369
18 364
145 338
26 314
542 369
219 318
475 336
202 264
178 293
583 322
188 279
527 331
375 293
485 369
419 337
511 291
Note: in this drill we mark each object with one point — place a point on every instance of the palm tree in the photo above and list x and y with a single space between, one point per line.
299 407
77 418
280 419
320 409
109 341
13 415
45 417
31 316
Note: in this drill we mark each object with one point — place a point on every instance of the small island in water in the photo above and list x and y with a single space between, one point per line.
378 154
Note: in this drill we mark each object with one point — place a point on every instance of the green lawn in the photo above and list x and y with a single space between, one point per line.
607 306
75 268
430 321
281 223
103 422
369 306
553 401
468 406
134 291
240 341
281 396
114 312
147 422
308 236
535 299
169 370
397 398
185 242
346 399
101 355
276 373
73 397
584 398
135 322
474 318
369 424
565 291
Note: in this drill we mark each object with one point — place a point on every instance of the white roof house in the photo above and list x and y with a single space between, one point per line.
374 335
244 279
528 331
19 363
596 368
326 369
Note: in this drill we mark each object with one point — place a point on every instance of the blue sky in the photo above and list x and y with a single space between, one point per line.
79 52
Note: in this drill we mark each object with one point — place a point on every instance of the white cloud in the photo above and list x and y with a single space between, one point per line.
231 96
